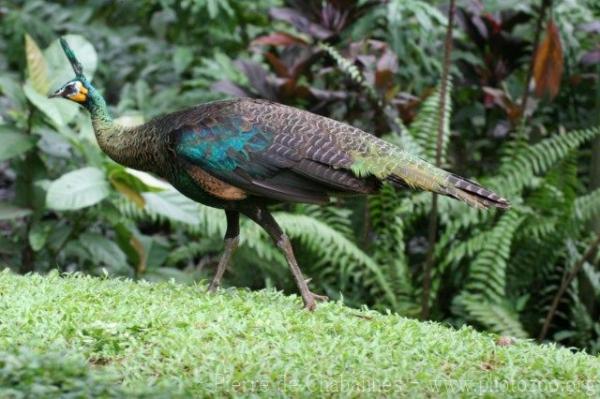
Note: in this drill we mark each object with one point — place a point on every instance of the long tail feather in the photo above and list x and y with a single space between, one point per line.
473 194
388 162
424 176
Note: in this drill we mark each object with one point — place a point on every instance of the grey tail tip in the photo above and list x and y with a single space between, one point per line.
476 195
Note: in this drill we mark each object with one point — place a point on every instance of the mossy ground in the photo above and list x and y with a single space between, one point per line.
84 336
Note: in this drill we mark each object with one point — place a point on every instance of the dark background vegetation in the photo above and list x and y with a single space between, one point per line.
374 64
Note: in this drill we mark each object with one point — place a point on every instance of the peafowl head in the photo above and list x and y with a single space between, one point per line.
79 89
73 90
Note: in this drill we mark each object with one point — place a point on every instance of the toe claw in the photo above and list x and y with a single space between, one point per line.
212 288
310 305
310 302
321 298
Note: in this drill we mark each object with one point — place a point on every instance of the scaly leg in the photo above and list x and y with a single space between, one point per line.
232 238
266 221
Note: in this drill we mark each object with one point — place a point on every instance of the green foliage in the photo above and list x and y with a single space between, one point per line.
63 204
412 26
92 337
389 249
425 126
487 272
54 374
14 144
77 189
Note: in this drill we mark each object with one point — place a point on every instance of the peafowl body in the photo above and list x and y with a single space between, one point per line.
242 155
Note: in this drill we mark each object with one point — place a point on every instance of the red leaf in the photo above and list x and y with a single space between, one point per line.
548 64
495 24
278 39
280 68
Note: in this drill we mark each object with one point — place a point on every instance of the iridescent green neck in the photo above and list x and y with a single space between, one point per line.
129 146
95 103
101 117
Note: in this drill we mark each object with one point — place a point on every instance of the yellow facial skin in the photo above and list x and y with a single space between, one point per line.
81 94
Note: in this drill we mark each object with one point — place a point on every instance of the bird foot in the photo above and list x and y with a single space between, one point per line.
310 300
212 287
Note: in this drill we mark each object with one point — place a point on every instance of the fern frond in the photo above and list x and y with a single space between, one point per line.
386 218
340 219
497 317
348 68
587 206
521 165
425 126
487 273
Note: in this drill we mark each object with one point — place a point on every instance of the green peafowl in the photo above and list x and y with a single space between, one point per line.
241 155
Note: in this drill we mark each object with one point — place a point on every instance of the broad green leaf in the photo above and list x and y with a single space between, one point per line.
11 87
151 182
172 205
74 249
213 8
58 236
102 250
38 235
157 251
182 58
59 65
14 143
52 143
8 211
37 70
78 189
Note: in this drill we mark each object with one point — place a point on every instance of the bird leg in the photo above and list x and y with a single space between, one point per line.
307 296
267 222
232 239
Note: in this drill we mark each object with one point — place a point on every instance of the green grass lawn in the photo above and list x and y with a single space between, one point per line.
113 338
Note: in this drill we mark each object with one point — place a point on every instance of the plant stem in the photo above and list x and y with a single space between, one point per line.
566 281
431 235
536 41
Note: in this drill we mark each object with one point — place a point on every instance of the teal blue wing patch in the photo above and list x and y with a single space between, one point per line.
221 146
261 162
244 155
